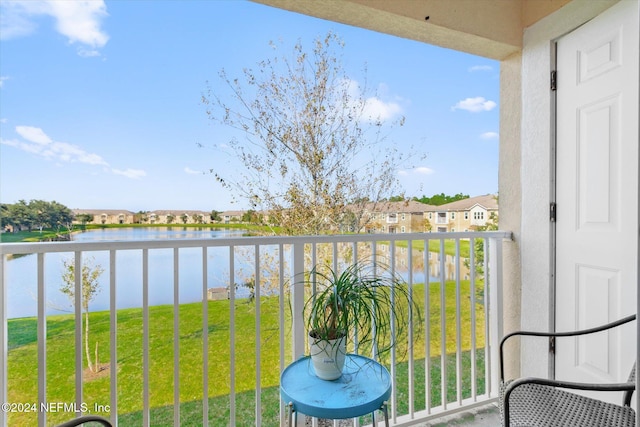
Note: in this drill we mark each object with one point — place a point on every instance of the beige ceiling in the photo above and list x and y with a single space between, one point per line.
490 28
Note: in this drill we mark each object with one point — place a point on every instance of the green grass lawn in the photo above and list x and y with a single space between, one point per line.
28 236
22 360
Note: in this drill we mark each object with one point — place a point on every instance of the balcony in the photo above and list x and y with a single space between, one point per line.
441 218
170 359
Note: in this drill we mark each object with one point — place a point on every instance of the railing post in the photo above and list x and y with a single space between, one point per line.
494 278
4 340
297 310
297 299
42 339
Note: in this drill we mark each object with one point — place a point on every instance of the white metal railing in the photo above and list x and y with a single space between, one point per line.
288 259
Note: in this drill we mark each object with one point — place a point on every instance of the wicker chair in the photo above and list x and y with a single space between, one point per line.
541 402
93 419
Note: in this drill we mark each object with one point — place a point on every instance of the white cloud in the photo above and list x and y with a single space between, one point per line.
15 18
480 68
33 134
376 109
88 53
79 21
373 108
10 142
191 171
73 153
41 144
423 170
2 79
36 141
475 105
130 173
420 170
489 135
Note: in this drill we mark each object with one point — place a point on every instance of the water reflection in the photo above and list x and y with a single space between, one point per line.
154 233
418 261
21 273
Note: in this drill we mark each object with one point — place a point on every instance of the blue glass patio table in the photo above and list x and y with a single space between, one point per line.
363 388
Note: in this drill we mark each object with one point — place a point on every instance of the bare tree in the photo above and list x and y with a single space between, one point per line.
311 147
90 274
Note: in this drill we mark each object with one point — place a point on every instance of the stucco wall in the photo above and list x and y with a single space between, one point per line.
510 198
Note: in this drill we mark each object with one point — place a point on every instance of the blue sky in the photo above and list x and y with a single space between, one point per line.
100 102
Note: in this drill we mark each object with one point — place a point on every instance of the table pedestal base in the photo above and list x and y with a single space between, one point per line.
292 416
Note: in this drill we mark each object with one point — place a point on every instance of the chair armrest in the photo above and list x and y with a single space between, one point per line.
559 334
85 419
628 386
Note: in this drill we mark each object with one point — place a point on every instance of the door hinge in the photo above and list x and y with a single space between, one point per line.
552 212
552 345
553 80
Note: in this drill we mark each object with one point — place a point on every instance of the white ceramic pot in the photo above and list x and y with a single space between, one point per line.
328 357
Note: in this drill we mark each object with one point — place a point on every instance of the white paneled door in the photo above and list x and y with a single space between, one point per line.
597 193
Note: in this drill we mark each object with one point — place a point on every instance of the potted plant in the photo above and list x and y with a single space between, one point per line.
365 306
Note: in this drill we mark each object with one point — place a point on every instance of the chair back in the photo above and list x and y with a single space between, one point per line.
627 394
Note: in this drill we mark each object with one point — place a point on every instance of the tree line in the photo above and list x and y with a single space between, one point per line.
435 200
35 214
441 199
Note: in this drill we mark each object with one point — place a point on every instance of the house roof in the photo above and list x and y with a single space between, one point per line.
126 212
101 211
178 212
488 201
232 213
407 206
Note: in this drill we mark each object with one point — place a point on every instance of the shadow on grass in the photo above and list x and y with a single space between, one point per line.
191 413
435 398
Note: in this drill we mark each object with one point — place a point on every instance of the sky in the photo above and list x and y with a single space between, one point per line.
100 102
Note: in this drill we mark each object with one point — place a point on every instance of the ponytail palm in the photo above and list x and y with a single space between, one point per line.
366 302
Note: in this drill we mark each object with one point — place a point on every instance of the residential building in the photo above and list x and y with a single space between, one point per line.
463 215
105 216
231 216
396 217
415 217
178 217
114 216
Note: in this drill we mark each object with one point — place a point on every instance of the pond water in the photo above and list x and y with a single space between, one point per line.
21 273
152 233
